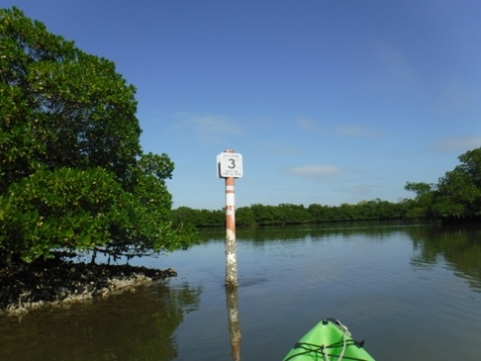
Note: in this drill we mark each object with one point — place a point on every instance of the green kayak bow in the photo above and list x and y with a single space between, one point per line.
329 340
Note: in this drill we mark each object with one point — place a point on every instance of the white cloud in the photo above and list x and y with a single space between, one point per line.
209 128
453 97
216 124
396 63
309 125
316 171
357 131
348 130
460 143
361 190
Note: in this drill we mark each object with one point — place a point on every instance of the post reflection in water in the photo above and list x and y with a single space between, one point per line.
233 321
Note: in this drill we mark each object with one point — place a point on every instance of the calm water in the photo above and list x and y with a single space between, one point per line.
412 292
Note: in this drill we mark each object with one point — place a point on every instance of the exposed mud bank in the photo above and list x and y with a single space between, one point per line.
27 286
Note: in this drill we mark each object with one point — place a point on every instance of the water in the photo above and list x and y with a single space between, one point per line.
412 292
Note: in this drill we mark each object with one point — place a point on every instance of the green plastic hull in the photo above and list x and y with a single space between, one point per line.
328 340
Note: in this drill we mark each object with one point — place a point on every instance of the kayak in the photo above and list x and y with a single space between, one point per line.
329 340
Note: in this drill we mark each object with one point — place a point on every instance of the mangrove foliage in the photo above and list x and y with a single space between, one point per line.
73 176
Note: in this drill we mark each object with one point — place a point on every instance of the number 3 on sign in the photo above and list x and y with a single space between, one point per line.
229 165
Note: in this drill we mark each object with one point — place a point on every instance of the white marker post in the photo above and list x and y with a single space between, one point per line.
229 166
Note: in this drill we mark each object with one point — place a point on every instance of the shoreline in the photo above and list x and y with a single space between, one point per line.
25 287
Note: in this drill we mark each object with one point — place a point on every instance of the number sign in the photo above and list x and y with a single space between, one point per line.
229 165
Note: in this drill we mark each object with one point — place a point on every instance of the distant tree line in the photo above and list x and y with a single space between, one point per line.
457 196
291 214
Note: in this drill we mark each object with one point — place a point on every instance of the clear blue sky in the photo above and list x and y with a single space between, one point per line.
328 101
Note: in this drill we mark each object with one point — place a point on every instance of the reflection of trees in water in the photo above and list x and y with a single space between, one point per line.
460 246
345 230
294 233
132 326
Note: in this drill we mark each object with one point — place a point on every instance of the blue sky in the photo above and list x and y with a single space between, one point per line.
328 102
